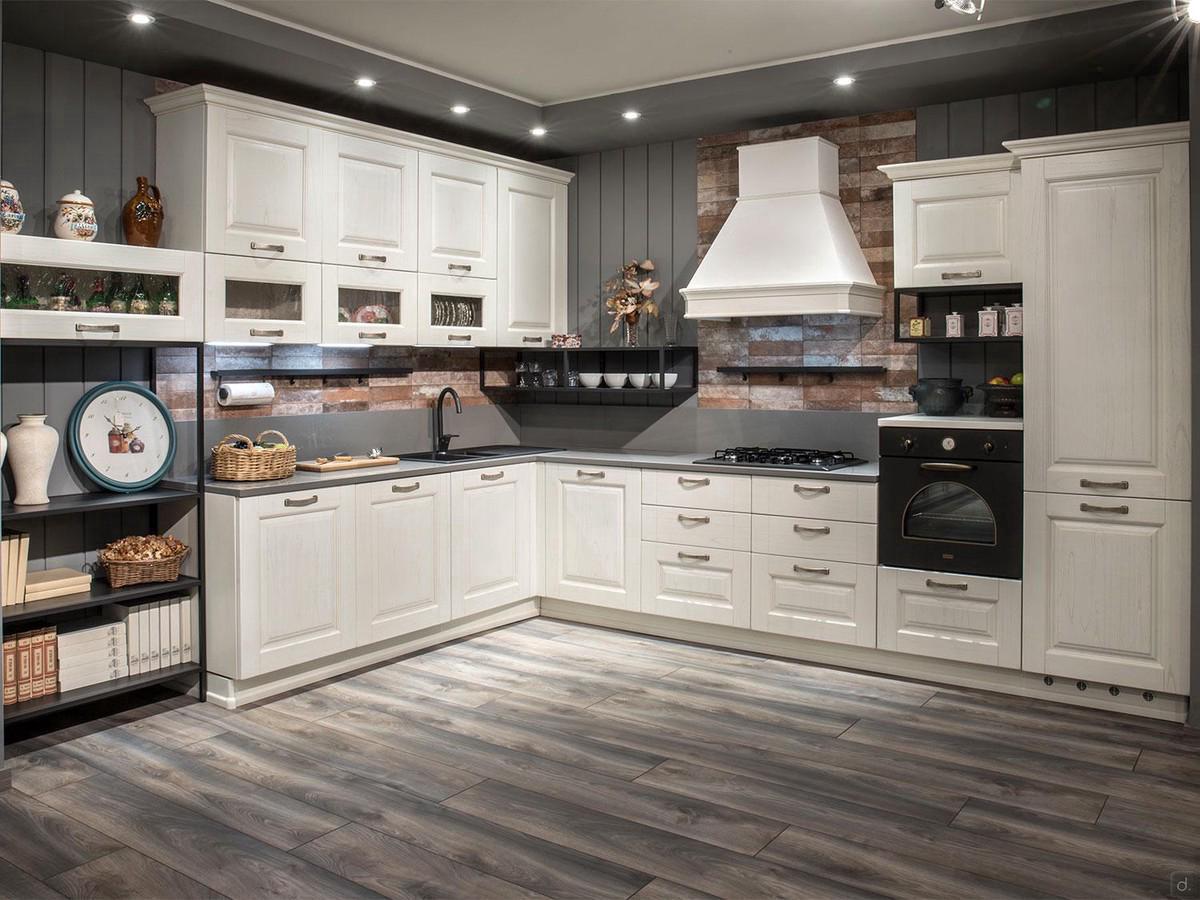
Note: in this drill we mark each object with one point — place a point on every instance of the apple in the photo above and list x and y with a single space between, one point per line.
999 379
1018 379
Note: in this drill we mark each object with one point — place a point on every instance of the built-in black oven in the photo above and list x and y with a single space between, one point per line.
950 500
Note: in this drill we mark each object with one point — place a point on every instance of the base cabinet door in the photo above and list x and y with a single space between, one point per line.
1107 590
966 618
296 570
493 528
811 598
593 535
700 584
403 572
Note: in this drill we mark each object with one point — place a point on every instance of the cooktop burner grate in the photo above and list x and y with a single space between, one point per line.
784 457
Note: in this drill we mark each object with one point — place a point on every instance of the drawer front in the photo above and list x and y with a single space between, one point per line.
816 599
699 584
809 498
965 618
699 527
696 490
850 542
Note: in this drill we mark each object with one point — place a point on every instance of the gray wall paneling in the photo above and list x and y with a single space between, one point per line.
102 179
964 121
612 232
660 229
686 229
23 104
137 130
588 298
65 138
1001 121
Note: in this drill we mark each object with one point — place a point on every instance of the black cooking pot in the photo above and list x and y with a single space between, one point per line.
940 396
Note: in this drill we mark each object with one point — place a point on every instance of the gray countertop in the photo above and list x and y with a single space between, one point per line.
869 472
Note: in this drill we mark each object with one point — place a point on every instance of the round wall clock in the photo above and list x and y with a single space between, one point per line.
122 436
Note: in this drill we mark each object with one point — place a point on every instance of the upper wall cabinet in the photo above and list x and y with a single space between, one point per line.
457 217
955 221
370 204
531 288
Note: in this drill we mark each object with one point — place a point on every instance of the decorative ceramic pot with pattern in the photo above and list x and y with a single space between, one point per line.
76 217
12 214
142 217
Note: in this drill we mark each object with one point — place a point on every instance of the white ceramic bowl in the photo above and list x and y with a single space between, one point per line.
590 379
672 377
639 381
615 379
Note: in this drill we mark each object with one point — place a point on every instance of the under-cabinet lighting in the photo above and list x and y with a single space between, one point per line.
237 343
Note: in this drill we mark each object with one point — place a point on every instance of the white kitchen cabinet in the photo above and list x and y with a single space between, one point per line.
456 311
851 542
370 203
295 578
813 598
403 548
811 498
696 490
372 307
593 535
698 527
966 618
700 584
1107 590
1107 313
956 221
531 281
457 216
493 530
276 301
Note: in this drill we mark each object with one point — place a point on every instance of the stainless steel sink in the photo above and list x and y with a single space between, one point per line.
492 451
467 454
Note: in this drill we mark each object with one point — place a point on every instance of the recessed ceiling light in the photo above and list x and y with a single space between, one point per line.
538 131
631 114
141 18
459 109
364 82
1193 12
844 80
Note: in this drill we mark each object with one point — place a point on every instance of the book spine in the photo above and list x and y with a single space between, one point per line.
187 653
37 656
24 667
10 671
155 640
176 646
51 645
22 568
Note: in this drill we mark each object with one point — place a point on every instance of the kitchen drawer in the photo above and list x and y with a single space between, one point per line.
810 598
851 542
696 490
700 527
966 618
811 498
700 584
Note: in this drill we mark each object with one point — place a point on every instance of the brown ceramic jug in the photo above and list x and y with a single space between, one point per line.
142 217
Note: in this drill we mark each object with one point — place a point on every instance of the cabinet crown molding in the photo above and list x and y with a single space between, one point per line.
961 165
207 94
1113 139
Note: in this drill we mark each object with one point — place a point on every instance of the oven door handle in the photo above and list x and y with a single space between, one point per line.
946 467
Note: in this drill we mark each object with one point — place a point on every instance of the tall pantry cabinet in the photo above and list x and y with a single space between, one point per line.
1107 406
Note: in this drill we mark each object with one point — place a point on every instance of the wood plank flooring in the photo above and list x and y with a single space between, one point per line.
548 759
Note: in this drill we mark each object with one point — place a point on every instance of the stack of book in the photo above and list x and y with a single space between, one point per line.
91 651
56 583
158 634
14 561
30 665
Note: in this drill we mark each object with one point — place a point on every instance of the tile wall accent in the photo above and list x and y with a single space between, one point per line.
864 142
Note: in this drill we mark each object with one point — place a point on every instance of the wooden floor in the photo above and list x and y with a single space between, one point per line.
549 759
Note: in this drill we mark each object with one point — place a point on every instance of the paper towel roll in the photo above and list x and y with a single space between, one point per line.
245 393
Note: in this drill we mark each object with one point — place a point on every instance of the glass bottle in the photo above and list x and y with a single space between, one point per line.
168 303
24 298
64 287
139 300
97 302
118 300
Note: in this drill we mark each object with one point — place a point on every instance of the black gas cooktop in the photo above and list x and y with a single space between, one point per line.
783 458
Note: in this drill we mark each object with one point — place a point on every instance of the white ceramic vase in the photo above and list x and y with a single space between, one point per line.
3 447
33 445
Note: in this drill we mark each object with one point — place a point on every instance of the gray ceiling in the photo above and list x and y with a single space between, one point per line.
195 40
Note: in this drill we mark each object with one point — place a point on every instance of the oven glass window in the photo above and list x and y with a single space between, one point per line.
945 511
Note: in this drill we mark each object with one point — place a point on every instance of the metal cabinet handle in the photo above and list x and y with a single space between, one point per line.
266 332
274 248
491 477
809 570
698 481
1093 508
458 267
97 329
803 488
532 340
309 501
371 257
406 488
974 273
701 557
372 335
811 529
703 520
580 473
946 467
458 337
1111 485
947 585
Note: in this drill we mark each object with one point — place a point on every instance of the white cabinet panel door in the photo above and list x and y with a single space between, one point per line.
810 598
296 578
808 498
371 307
851 542
494 529
696 490
531 283
371 203
696 527
263 197
1107 346
456 311
593 539
403 556
276 301
1107 590
457 217
700 584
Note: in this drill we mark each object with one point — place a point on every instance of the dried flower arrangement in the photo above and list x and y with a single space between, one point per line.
632 294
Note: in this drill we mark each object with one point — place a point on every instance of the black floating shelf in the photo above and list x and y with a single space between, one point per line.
942 339
101 593
93 502
678 348
293 374
629 391
41 706
781 371
959 289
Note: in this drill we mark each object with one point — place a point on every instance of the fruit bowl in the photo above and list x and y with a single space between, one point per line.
1002 401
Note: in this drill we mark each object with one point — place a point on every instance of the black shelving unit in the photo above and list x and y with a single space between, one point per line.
936 302
324 374
784 371
42 706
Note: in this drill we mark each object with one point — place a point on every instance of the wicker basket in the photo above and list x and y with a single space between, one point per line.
230 463
123 572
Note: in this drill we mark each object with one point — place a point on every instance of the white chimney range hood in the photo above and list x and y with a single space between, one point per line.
787 248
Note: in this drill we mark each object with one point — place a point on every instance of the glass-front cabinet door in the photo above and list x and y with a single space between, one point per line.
371 203
256 300
368 306
456 312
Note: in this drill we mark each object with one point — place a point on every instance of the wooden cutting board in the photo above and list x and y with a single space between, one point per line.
341 465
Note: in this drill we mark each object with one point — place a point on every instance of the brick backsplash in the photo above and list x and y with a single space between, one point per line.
864 142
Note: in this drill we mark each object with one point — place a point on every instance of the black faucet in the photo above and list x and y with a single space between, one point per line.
441 440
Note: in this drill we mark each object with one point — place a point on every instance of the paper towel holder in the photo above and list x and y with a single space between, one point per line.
361 373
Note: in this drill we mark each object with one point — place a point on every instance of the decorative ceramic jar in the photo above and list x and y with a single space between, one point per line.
939 396
12 214
1014 321
920 327
76 218
142 217
33 445
3 447
989 322
954 325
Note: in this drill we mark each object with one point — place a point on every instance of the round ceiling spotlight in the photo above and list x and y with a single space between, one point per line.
631 114
538 131
844 80
460 109
137 17
364 82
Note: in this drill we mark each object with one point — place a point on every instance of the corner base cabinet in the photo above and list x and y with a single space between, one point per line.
494 527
